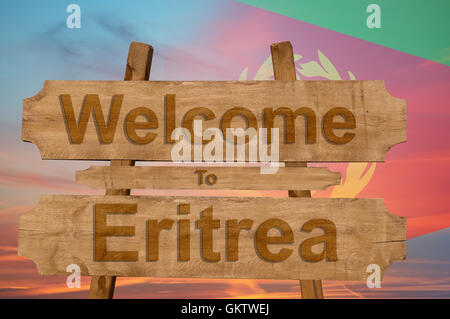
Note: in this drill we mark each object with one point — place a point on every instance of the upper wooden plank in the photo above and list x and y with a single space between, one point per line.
52 121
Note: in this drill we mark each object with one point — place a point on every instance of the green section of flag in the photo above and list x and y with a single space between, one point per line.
418 27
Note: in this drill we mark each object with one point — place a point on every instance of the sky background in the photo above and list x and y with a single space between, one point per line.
218 40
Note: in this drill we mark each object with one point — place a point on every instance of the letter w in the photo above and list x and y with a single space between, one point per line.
91 102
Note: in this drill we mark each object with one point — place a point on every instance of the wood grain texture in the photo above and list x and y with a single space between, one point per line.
139 62
311 289
283 61
138 68
284 69
60 231
380 118
243 178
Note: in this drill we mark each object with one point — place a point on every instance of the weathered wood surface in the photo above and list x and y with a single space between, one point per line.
244 178
60 231
380 119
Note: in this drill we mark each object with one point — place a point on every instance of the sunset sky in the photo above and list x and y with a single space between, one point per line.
218 40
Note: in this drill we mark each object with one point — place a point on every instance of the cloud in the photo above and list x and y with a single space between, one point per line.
32 180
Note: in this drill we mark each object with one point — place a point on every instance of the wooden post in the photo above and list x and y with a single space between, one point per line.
284 69
137 69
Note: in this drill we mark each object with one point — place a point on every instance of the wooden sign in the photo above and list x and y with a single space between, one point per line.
318 121
288 238
310 239
244 178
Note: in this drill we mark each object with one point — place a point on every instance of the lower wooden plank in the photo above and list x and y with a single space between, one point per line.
246 178
200 237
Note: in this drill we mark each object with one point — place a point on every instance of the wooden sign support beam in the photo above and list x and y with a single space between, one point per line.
137 69
284 69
